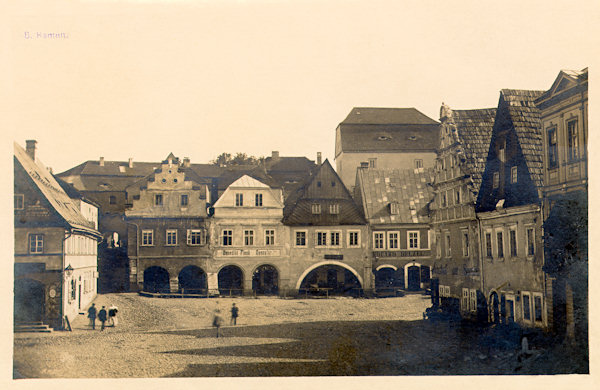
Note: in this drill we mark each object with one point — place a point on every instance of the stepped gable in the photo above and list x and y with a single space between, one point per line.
474 133
58 199
525 118
323 187
409 189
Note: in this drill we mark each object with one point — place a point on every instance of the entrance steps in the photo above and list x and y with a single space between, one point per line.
32 327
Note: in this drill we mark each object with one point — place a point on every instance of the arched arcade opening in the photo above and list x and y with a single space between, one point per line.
265 280
331 279
231 280
192 280
156 280
388 279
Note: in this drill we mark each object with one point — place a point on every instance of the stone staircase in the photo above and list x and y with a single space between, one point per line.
32 327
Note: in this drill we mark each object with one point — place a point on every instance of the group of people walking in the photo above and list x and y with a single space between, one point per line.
103 316
218 320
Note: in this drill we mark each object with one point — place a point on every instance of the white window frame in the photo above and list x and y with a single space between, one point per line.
513 228
349 242
417 238
533 306
527 242
379 236
465 243
296 238
321 238
531 314
239 199
394 208
491 242
229 235
334 209
38 241
464 302
390 241
258 200
269 237
170 232
333 234
21 201
514 175
248 237
199 233
497 247
147 233
315 208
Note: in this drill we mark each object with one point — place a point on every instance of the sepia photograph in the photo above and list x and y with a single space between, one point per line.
311 192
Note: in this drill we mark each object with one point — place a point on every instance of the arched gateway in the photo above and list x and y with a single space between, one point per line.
335 277
192 280
265 280
156 280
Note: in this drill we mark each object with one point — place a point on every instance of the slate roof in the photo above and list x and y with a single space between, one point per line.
525 117
387 130
474 132
297 210
64 206
410 189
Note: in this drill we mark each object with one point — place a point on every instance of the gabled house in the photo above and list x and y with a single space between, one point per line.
56 241
168 250
464 143
396 207
509 209
248 240
384 138
328 235
564 121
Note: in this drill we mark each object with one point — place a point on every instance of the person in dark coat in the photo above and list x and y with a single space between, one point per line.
218 322
92 315
102 317
234 314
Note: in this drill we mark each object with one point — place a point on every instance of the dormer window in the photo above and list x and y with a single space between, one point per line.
496 180
394 208
315 208
334 208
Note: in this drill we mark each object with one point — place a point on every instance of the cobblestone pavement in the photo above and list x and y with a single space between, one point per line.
274 337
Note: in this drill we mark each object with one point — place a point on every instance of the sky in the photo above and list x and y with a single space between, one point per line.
143 79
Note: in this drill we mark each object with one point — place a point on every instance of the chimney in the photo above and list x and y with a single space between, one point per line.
50 170
186 162
30 148
318 158
130 162
101 162
275 155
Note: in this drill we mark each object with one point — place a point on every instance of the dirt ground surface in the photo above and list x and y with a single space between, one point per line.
157 337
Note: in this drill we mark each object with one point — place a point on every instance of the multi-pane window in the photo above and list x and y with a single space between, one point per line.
36 243
300 238
465 299
465 243
372 163
393 240
413 240
513 242
513 175
19 201
184 200
552 148
315 208
530 242
147 237
269 237
258 198
112 199
438 245
195 237
239 199
379 240
448 248
171 236
335 238
158 200
488 244
496 180
334 208
500 244
321 238
227 237
418 163
573 141
248 237
526 307
353 239
394 208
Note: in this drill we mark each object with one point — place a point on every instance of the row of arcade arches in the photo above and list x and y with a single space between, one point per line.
413 277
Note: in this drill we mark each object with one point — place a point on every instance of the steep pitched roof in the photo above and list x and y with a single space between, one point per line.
525 117
474 132
387 116
324 187
64 206
247 182
409 189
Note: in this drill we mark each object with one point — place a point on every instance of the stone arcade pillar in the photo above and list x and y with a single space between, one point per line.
212 282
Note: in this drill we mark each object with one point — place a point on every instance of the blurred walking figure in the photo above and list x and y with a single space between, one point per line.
234 314
218 322
112 316
102 317
92 315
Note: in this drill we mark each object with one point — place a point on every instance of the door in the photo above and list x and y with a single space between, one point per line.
414 278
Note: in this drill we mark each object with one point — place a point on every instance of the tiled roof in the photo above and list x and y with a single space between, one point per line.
525 117
474 131
410 189
376 138
53 192
387 116
247 182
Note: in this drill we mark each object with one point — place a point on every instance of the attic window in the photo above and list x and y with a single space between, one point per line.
121 169
394 208
384 138
412 137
